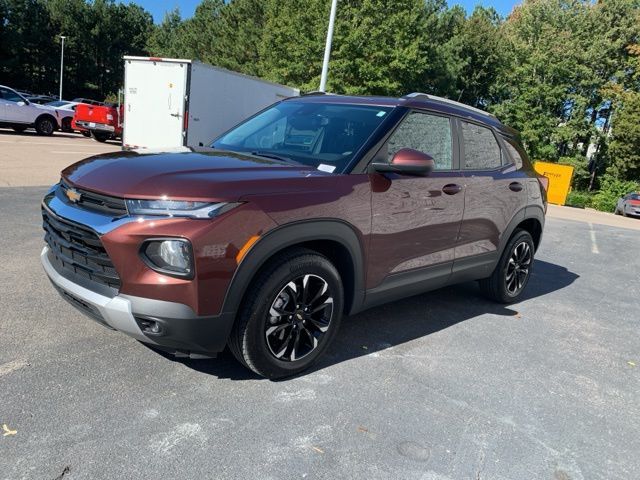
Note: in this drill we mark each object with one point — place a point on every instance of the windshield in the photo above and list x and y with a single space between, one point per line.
322 135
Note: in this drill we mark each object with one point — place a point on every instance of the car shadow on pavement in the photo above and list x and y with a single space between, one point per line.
402 321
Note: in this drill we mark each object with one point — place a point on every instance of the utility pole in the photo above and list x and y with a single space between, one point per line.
61 64
327 47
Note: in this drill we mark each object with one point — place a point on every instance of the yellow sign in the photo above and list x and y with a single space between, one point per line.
559 180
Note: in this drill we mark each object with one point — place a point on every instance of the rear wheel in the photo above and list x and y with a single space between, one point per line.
86 133
511 276
101 136
45 126
66 125
292 313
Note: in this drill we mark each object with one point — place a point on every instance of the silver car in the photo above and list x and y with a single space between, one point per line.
629 205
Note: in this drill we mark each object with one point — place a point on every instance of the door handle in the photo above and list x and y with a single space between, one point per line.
515 186
452 188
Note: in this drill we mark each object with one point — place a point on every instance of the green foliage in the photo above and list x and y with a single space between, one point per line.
98 34
611 189
624 147
580 199
581 175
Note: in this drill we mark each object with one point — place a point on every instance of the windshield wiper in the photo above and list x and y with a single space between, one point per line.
273 156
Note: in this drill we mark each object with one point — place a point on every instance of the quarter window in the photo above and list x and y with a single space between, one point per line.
517 158
481 149
430 134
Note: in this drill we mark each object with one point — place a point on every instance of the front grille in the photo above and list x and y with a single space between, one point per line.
95 201
78 251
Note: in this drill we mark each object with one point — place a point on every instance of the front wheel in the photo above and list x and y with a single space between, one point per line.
45 126
510 277
291 315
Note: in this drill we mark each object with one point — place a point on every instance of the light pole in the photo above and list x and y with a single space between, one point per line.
61 64
327 47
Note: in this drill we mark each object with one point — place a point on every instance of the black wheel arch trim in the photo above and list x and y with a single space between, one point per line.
532 212
289 235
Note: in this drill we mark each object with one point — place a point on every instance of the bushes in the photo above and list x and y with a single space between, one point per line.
611 189
580 199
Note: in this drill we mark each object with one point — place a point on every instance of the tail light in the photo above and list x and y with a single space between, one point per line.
634 202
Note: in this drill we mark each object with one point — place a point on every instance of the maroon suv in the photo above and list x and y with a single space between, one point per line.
316 207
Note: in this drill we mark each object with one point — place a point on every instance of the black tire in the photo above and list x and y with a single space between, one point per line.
66 125
511 276
100 136
45 125
273 355
85 133
19 129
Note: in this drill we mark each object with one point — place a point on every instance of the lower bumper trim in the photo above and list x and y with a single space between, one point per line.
182 330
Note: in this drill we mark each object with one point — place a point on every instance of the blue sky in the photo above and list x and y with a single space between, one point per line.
187 7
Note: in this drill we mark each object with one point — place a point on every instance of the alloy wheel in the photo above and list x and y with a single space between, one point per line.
518 268
47 127
299 317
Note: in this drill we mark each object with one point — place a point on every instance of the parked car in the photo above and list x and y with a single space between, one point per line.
629 205
40 99
77 128
103 122
88 101
19 113
66 110
318 206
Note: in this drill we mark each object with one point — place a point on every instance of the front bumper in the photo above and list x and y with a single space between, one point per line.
630 210
181 331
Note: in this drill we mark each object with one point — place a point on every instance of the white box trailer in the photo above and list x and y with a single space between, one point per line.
172 102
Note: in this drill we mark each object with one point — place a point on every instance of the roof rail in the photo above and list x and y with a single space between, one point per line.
426 96
313 92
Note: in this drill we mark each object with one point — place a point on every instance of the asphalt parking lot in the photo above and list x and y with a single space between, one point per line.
441 386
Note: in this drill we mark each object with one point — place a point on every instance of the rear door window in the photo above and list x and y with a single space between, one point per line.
481 149
430 134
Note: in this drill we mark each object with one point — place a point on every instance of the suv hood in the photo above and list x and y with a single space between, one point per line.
187 174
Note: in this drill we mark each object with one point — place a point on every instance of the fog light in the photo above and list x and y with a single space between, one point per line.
148 325
170 256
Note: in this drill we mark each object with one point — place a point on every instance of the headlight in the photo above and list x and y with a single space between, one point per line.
177 208
170 256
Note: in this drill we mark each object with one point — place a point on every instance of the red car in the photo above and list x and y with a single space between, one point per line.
103 122
318 206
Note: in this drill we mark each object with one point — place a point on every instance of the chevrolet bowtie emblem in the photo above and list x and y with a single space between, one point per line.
299 316
73 195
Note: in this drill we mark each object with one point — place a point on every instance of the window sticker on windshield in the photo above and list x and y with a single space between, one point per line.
381 113
326 168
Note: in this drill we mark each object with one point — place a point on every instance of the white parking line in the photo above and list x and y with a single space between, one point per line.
57 144
12 366
594 243
84 153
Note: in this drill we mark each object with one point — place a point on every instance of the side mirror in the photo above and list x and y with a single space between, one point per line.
407 161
